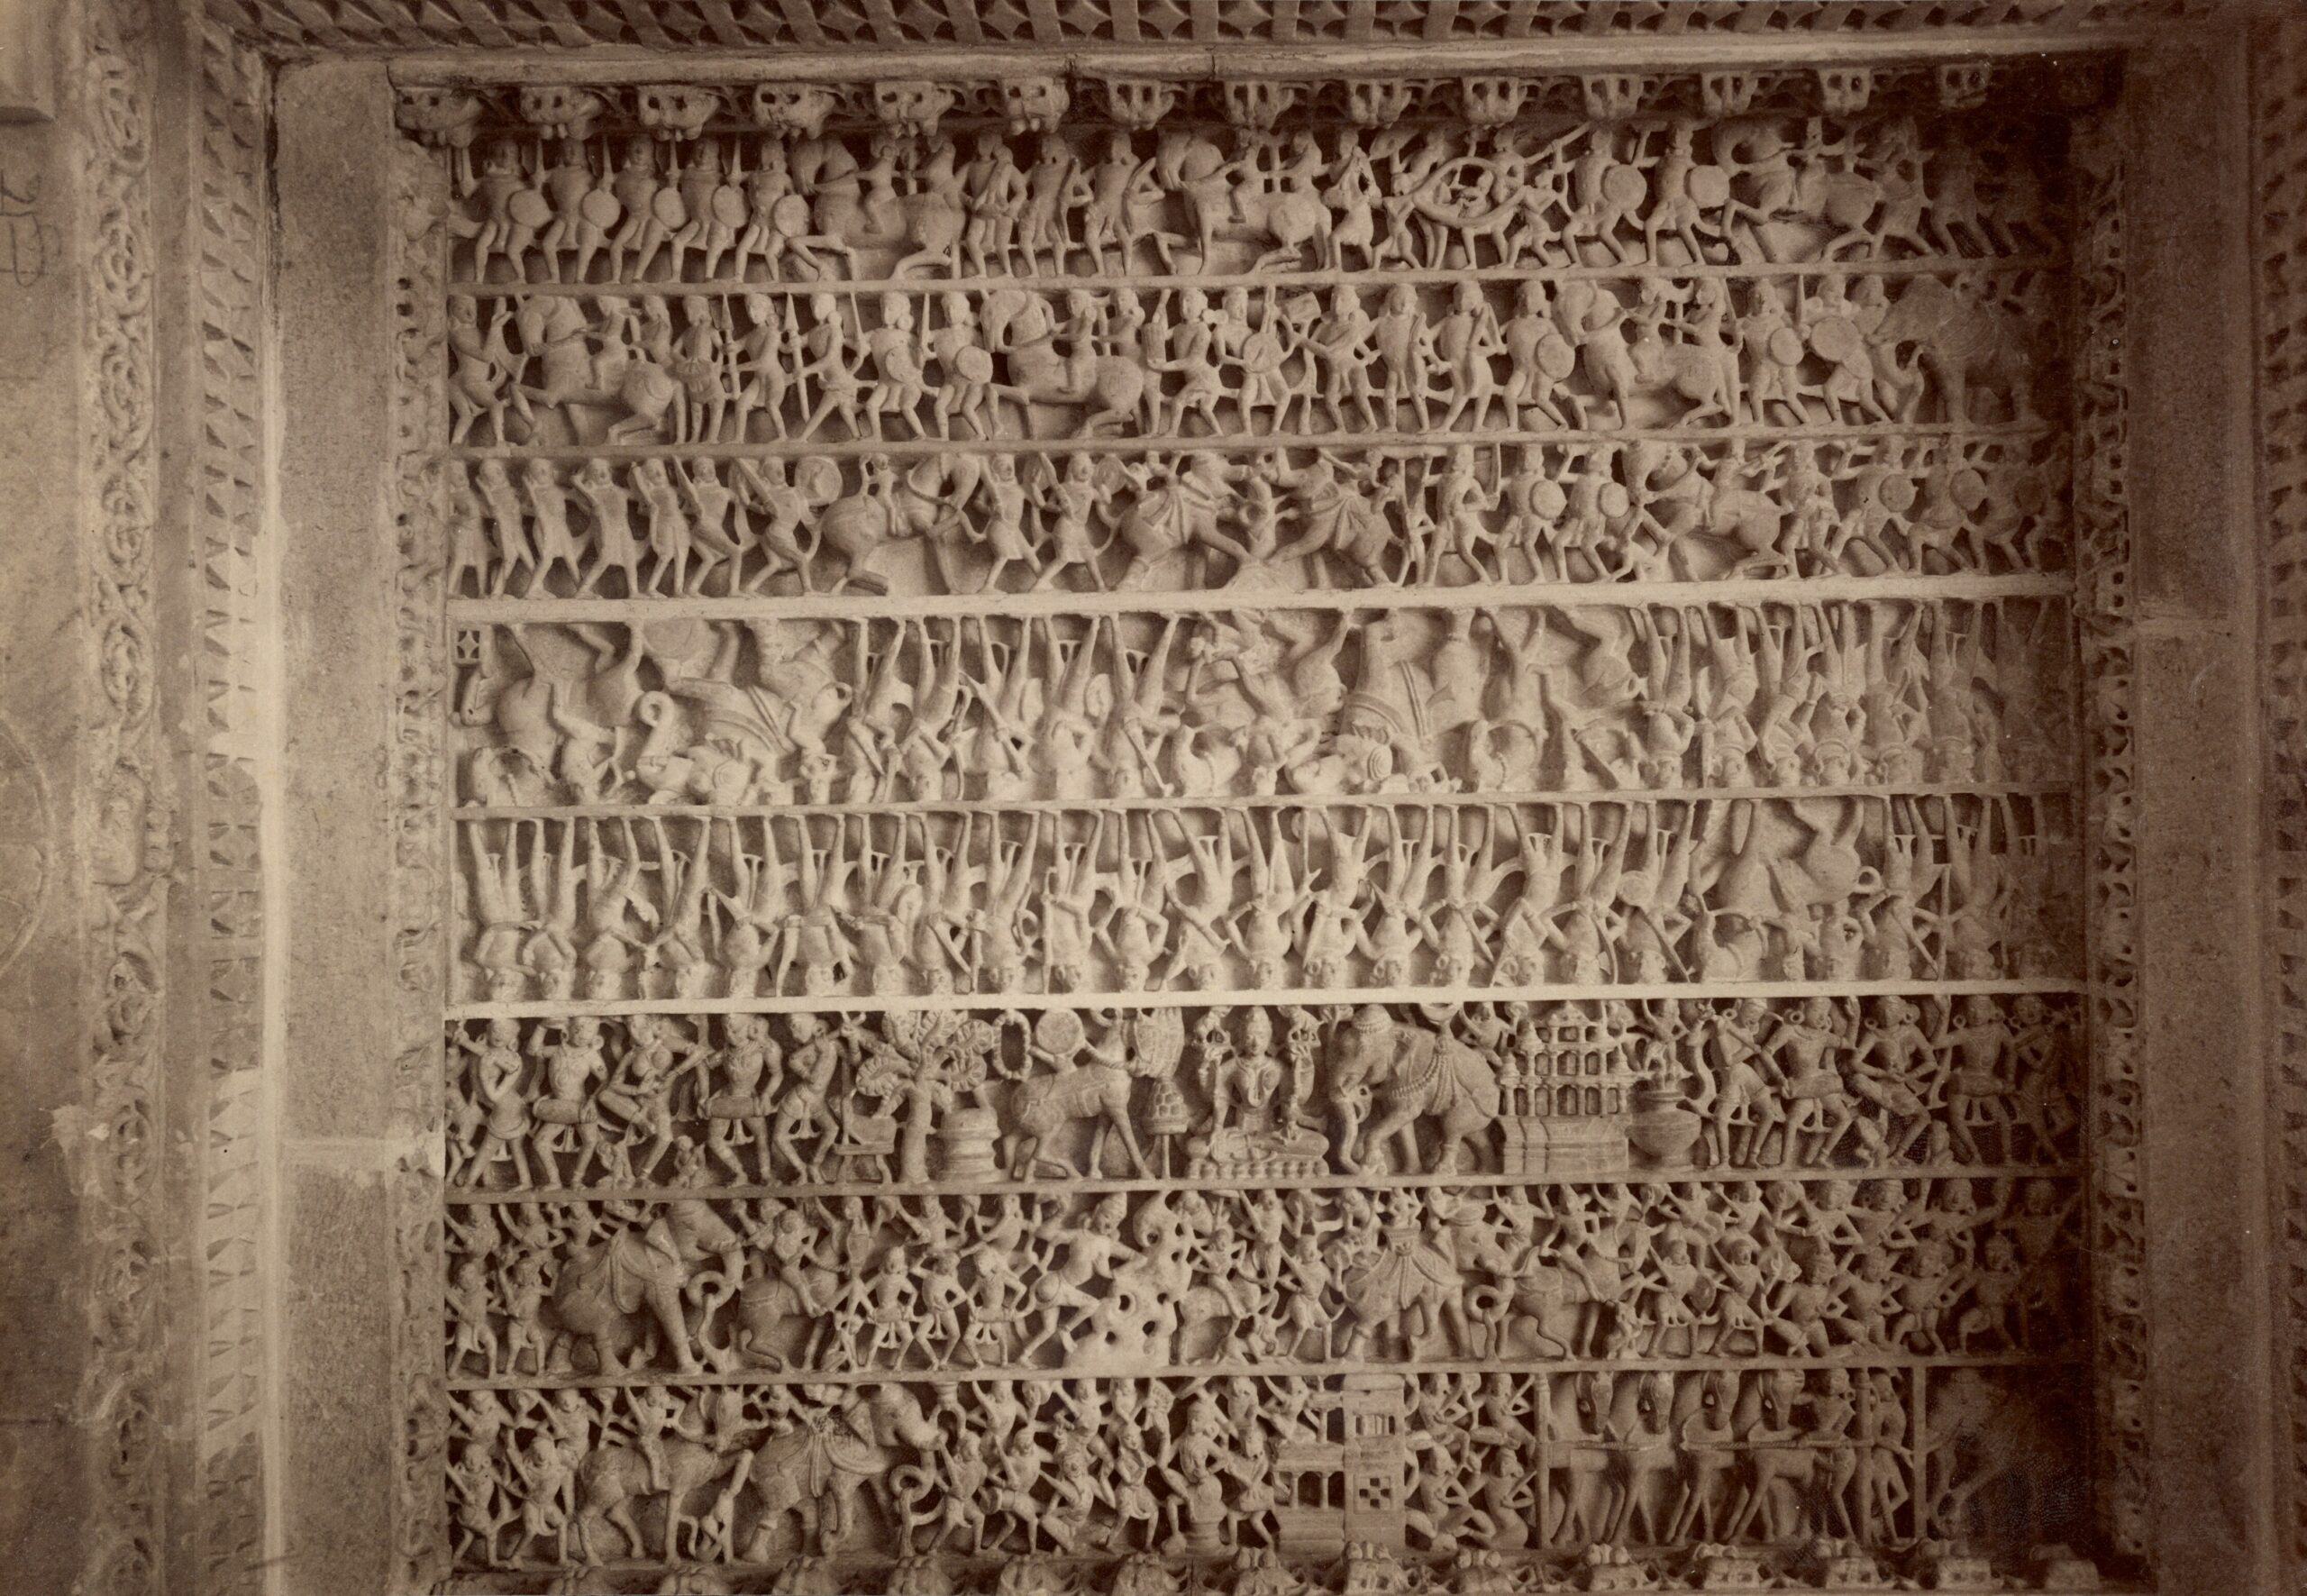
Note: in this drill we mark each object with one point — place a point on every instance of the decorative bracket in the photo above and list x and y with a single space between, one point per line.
1138 102
676 110
913 106
1259 105
1492 102
1611 96
1963 83
1035 105
561 112
1728 94
794 107
1378 102
441 118
1843 91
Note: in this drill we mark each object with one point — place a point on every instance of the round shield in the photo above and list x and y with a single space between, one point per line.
790 216
729 205
1969 489
1836 339
973 364
1547 500
528 207
1555 357
601 208
1895 494
1708 186
1625 187
1785 346
817 479
668 208
1058 1031
1614 500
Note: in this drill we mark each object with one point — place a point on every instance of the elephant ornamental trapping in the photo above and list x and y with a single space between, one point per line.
1408 1075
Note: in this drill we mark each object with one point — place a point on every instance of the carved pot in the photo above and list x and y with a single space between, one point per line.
1661 1131
965 1144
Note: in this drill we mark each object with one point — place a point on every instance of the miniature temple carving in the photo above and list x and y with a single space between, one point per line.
1264 837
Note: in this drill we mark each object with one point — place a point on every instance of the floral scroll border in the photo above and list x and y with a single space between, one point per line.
117 1140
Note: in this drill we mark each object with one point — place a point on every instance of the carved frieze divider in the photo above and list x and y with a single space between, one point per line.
558 25
2279 180
232 800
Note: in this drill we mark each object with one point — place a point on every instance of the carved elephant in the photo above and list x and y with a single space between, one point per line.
1410 1074
614 1292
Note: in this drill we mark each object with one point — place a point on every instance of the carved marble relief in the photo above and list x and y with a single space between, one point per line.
1259 838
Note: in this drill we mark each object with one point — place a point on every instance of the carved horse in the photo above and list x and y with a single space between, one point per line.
926 502
1993 1464
1778 1472
1038 1106
1217 205
555 332
1109 388
1411 1075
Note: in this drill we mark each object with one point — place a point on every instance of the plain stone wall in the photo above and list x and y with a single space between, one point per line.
2194 512
339 1427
